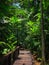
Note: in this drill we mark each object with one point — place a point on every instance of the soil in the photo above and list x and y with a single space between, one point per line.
35 61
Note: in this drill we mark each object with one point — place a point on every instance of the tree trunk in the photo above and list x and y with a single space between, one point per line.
42 34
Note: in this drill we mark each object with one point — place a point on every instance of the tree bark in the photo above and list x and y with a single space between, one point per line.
42 33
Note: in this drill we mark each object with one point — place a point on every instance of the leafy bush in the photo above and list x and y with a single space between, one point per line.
6 47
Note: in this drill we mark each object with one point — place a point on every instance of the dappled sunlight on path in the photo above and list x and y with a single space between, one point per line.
24 58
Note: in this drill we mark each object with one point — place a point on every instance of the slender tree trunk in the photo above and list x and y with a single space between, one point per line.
42 34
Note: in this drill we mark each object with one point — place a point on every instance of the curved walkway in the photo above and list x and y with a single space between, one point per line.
24 58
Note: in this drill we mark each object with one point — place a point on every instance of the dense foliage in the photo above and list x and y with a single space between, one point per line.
20 25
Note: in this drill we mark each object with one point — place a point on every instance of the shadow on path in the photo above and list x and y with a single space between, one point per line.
24 58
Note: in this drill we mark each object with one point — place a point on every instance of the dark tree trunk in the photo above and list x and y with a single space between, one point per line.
42 34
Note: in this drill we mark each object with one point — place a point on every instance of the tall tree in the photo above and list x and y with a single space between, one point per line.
42 33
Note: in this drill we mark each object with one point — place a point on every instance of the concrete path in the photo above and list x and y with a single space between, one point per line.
24 58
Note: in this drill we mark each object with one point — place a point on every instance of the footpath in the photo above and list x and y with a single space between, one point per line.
24 58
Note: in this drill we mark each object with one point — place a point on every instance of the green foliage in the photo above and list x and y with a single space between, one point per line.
6 8
8 38
21 26
3 49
